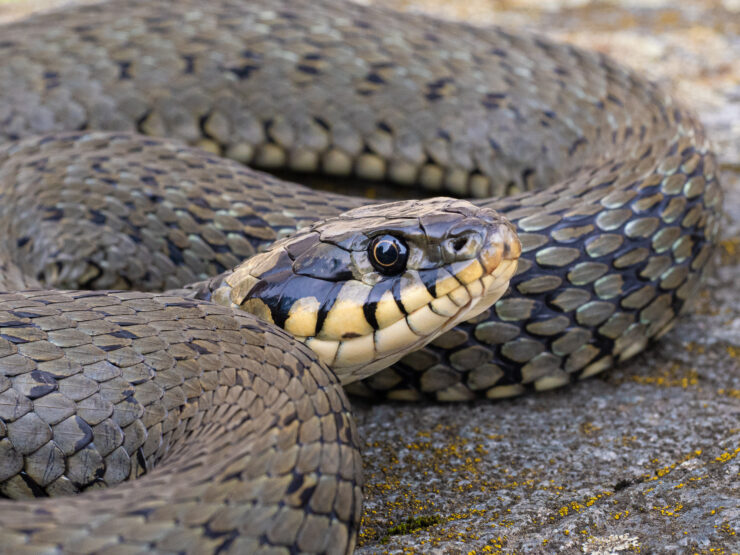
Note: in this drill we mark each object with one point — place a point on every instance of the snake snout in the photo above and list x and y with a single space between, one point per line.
502 245
463 244
367 287
487 236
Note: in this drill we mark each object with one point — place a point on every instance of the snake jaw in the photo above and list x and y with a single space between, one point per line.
421 326
358 321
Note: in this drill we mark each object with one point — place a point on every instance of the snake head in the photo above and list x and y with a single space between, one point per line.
375 283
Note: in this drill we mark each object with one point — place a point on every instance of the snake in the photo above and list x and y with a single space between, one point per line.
177 329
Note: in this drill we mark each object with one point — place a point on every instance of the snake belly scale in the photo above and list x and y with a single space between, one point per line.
240 440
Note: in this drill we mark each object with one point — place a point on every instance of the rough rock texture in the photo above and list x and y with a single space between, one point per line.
645 458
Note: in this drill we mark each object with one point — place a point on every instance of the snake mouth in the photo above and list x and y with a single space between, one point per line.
472 287
324 288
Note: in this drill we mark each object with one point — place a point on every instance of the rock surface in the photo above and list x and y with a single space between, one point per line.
645 458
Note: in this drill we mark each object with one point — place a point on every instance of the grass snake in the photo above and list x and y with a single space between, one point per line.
240 438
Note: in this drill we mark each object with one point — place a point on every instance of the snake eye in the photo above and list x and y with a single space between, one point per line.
388 254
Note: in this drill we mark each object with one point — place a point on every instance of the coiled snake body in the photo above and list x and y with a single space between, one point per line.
241 438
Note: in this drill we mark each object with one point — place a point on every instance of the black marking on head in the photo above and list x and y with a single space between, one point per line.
326 306
279 267
269 292
397 297
324 261
371 304
429 279
299 245
299 287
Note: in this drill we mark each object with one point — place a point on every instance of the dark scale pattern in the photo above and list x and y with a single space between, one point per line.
321 284
231 427
116 211
601 274
353 90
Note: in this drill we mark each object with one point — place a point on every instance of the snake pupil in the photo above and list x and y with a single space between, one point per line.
388 254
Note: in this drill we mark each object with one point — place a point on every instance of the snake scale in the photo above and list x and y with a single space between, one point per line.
240 440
